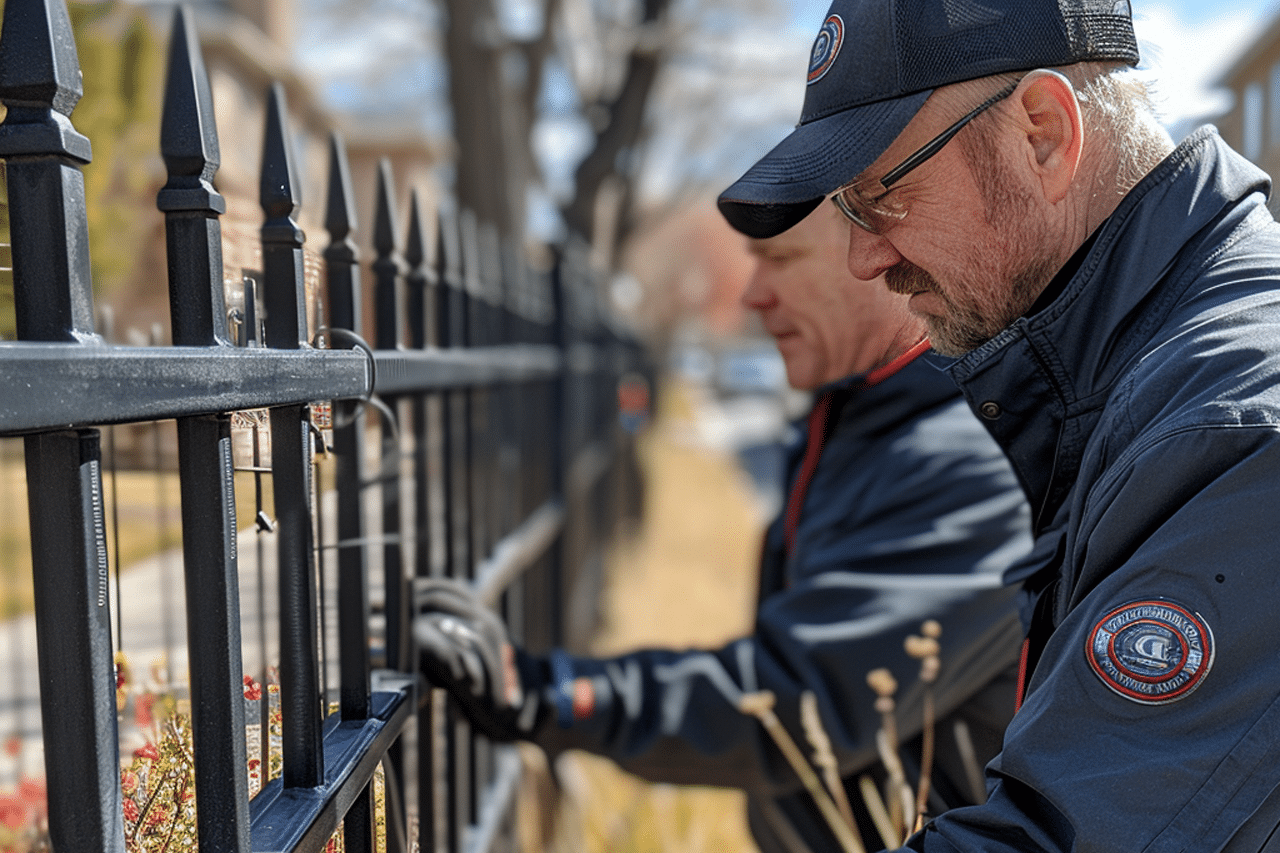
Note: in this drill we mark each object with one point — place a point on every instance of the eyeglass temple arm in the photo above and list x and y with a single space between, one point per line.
942 139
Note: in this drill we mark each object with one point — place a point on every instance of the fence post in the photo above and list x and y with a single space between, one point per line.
300 699
451 321
40 86
388 271
346 312
421 284
189 143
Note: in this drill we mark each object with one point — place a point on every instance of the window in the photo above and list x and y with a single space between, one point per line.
1274 107
1251 121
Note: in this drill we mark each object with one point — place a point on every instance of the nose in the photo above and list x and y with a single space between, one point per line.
870 254
758 295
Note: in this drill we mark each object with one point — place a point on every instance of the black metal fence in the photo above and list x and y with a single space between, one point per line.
476 437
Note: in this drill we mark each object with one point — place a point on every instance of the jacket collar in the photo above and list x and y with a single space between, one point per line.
1041 383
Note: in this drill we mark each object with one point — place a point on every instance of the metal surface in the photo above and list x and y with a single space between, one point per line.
288 818
473 479
80 385
346 309
300 696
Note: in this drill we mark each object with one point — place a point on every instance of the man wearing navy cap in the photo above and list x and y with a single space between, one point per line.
1112 304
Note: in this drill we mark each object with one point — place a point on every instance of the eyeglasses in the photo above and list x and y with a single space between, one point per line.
865 203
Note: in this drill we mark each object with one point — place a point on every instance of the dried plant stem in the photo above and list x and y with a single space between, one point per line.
926 761
879 814
760 706
823 755
926 649
969 756
898 795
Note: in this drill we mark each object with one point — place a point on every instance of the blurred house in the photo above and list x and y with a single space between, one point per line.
248 45
1252 125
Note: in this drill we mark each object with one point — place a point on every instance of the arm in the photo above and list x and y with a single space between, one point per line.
1189 521
917 522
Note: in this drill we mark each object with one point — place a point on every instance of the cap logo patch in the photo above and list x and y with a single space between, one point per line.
1151 652
826 47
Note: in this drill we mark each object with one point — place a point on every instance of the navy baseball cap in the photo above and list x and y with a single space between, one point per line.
875 62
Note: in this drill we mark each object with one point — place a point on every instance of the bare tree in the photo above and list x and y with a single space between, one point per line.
496 65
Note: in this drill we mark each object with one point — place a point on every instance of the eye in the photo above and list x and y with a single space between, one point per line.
776 256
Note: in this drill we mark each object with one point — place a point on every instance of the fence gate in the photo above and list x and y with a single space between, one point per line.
475 436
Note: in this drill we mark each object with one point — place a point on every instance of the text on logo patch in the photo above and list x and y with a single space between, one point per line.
1151 651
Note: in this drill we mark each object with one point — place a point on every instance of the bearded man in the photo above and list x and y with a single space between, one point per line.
1112 303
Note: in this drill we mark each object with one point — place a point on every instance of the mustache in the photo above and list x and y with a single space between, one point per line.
906 278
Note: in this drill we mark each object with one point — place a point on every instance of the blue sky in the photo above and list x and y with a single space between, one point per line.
1188 44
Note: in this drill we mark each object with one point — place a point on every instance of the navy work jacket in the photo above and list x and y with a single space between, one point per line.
1141 410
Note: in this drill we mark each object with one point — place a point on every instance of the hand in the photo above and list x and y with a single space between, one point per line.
463 647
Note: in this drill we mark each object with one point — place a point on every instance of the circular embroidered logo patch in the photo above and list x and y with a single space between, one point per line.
1151 651
826 47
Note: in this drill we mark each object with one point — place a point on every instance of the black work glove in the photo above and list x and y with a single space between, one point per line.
463 648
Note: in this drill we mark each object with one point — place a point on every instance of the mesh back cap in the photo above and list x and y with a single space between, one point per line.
875 62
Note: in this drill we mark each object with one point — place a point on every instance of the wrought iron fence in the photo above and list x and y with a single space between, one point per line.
476 436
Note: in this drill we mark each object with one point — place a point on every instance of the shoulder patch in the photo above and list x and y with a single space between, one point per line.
826 47
1151 652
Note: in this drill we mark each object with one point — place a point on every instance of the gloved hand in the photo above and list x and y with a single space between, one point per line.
463 647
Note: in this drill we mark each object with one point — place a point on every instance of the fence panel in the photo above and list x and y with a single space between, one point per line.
476 437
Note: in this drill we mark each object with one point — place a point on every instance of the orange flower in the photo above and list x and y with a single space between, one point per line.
147 751
142 710
131 812
33 791
13 813
252 689
128 782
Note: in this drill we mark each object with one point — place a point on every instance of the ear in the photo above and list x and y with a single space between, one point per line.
1054 130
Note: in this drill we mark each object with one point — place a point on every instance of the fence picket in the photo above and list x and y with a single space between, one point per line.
189 143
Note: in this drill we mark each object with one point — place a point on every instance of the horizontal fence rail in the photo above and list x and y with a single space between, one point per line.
469 430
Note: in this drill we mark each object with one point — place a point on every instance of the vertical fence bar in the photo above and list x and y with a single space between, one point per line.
452 330
189 143
346 310
444 804
487 492
300 699
388 271
40 86
467 309
562 551
346 300
421 285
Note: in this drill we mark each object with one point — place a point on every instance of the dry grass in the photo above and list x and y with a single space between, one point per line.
687 579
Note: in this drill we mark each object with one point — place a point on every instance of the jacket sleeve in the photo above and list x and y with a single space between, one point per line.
921 531
1143 733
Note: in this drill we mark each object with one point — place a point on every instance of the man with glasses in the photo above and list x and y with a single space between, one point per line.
900 509
1112 304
